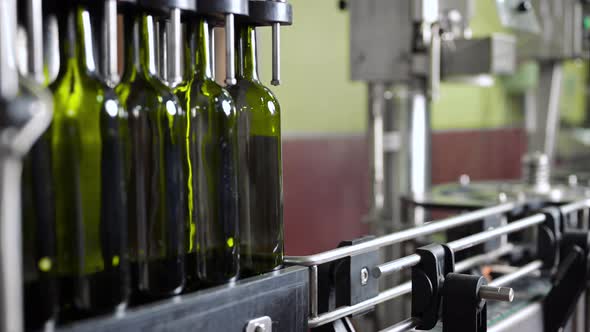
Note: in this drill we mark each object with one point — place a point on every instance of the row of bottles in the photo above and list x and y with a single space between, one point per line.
140 191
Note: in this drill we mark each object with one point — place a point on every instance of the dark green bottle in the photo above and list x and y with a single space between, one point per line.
260 172
213 147
87 163
39 245
157 182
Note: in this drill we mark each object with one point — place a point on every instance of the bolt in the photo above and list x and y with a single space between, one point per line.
364 276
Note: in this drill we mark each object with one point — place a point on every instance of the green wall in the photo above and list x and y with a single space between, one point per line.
317 96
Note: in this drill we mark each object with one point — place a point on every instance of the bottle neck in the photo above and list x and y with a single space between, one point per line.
76 45
246 52
140 49
202 50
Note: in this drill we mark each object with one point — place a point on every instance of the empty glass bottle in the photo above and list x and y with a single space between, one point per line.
260 172
213 149
87 163
157 158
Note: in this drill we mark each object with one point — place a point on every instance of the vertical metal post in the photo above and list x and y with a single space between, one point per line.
276 54
109 50
174 35
376 111
313 291
230 66
35 39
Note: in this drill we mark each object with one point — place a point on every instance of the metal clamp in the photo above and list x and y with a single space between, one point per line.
260 324
570 280
436 261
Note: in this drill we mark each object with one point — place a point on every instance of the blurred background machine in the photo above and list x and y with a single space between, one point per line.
490 92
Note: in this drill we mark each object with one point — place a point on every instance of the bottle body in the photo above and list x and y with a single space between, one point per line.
213 150
87 162
38 236
260 173
156 174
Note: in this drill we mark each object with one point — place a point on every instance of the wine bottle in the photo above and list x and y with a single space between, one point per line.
260 172
213 150
87 160
157 182
40 292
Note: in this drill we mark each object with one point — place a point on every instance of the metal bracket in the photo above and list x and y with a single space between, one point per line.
570 281
436 261
549 238
464 310
261 324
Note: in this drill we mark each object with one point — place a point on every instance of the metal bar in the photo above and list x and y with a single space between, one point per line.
276 54
174 35
230 70
109 41
575 206
504 294
521 272
35 39
313 291
403 326
349 310
470 241
483 258
461 244
8 69
426 229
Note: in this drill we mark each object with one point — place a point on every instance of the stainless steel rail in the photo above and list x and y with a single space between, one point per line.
575 206
432 227
349 310
518 274
426 229
461 244
400 290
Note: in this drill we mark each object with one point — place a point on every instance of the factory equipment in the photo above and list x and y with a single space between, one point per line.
157 264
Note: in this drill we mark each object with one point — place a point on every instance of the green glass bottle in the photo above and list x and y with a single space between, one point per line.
87 157
157 182
260 172
39 242
213 150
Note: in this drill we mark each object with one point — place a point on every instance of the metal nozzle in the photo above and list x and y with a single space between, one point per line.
109 50
174 32
276 54
504 294
230 70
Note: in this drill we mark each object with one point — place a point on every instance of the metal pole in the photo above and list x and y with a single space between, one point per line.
349 310
174 36
35 40
426 229
521 272
109 50
461 244
230 70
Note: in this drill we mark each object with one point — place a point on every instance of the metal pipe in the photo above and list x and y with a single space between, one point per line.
276 54
504 294
349 310
403 326
483 258
109 49
8 68
35 40
174 35
313 291
575 206
426 229
470 241
461 244
230 66
521 272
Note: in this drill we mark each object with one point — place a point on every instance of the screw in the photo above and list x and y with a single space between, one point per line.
364 276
